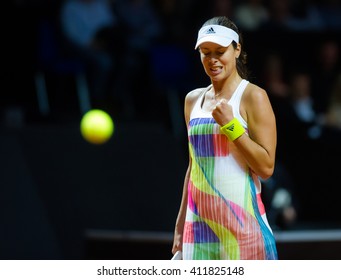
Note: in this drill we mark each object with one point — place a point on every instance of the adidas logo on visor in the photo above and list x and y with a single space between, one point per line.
210 31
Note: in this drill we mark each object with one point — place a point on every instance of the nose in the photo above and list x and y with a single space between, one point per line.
212 58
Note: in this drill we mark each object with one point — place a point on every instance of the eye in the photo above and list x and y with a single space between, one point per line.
205 53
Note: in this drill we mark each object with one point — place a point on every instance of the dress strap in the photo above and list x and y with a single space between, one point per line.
235 101
197 109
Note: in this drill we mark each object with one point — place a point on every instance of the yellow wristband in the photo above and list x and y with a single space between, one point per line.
233 129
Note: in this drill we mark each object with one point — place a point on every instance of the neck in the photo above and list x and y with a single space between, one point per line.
225 88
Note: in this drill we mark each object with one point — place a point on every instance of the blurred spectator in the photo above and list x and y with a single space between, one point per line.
330 11
333 113
178 20
325 70
222 8
171 17
299 135
279 14
314 147
305 16
297 120
91 29
273 75
273 79
303 103
192 12
250 14
280 200
208 8
286 15
141 29
168 13
141 24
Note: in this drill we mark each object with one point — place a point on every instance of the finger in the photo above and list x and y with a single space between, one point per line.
176 248
223 100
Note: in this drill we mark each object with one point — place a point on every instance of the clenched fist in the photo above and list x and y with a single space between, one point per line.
222 112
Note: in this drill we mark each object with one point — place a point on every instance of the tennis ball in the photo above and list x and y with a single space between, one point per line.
96 126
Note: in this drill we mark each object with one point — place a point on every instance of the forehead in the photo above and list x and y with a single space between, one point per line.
212 46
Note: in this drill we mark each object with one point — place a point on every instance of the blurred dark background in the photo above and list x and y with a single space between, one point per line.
64 198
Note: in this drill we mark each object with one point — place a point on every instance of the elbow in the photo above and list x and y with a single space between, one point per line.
266 173
267 168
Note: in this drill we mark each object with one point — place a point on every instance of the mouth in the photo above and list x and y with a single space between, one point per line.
216 70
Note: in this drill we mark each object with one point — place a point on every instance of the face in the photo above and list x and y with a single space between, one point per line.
219 62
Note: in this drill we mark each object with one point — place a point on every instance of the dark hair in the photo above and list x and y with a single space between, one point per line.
242 59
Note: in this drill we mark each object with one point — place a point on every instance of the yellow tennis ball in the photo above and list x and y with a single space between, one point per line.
96 126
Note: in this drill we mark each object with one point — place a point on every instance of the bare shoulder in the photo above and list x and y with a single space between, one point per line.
254 94
192 97
194 94
190 100
255 102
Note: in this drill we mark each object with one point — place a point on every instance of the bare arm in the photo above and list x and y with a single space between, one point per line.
180 221
259 146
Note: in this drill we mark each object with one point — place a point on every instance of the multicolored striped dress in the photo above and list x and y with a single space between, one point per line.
225 216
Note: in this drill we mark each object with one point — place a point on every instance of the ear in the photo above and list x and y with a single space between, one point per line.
238 50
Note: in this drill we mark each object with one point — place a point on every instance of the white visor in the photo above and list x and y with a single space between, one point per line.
218 34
